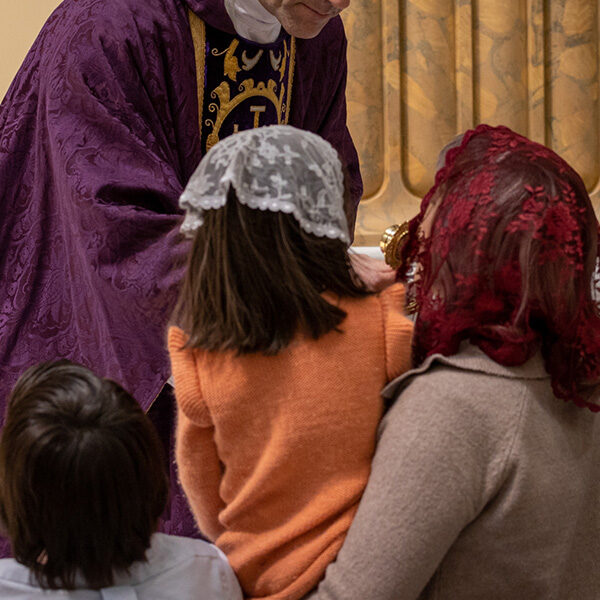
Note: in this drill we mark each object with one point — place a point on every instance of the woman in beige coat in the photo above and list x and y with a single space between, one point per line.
486 479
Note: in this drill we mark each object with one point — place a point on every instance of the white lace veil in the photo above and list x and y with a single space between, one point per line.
277 168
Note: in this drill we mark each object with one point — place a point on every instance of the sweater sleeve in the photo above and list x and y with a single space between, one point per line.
187 383
196 453
200 473
397 329
439 460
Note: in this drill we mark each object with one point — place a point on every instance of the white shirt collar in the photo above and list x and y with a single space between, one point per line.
252 21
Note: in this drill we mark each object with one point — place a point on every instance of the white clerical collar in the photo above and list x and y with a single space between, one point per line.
253 21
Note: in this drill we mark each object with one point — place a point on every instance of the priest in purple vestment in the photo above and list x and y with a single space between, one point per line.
108 117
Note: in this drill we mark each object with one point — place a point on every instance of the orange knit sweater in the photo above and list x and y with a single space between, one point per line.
274 452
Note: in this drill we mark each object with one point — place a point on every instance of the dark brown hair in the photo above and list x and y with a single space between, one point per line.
82 479
254 278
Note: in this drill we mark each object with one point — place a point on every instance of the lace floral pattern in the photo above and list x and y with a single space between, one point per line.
506 255
276 168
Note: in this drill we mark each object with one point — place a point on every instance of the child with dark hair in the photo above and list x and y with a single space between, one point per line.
279 354
82 485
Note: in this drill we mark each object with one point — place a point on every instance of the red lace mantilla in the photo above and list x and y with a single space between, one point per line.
506 255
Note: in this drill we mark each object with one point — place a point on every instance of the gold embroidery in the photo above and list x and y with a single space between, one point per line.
226 104
284 61
286 109
231 66
199 41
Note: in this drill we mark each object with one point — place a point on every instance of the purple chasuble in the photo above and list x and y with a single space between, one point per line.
99 133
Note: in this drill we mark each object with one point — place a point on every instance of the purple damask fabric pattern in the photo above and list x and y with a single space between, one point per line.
98 137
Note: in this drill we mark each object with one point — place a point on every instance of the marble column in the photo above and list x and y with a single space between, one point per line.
421 71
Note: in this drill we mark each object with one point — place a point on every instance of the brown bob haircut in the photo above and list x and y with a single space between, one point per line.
82 480
254 279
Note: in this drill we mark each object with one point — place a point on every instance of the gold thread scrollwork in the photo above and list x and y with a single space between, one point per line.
231 65
199 40
226 104
292 59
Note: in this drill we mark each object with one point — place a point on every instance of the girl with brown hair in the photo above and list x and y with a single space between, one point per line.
278 356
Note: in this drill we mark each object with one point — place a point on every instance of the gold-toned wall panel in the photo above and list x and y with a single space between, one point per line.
573 94
500 58
365 88
422 71
428 86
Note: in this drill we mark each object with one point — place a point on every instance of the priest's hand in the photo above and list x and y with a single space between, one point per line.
375 274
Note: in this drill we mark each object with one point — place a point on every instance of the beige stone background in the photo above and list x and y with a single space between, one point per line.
421 71
20 22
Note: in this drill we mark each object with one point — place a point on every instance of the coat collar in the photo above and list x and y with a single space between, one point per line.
470 358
